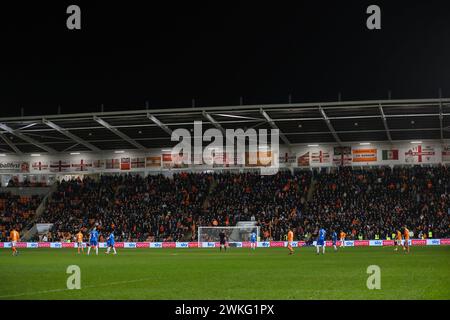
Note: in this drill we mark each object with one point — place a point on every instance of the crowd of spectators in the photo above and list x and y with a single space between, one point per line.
375 203
364 203
15 183
16 212
154 208
159 208
272 201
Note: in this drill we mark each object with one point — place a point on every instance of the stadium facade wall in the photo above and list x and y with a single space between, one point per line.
267 244
47 167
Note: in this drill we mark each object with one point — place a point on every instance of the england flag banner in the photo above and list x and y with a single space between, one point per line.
320 156
39 166
59 166
420 154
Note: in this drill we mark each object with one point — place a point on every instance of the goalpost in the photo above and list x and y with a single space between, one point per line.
234 234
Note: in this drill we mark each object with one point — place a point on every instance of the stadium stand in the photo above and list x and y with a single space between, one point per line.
163 209
16 211
364 203
378 201
14 183
154 207
273 201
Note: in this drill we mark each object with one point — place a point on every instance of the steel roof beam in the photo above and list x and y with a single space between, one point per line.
160 124
330 126
213 121
274 126
10 144
27 139
386 127
360 131
343 104
70 135
118 133
72 146
252 121
217 125
441 118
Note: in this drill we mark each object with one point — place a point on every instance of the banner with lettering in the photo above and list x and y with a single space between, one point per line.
167 160
125 164
177 162
153 162
364 155
420 154
14 166
258 159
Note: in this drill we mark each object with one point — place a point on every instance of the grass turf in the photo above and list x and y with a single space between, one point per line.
267 273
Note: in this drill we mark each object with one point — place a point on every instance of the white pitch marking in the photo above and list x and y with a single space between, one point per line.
82 287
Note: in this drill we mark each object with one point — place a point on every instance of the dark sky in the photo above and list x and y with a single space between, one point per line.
168 54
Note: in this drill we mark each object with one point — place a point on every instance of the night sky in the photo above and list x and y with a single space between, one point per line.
126 54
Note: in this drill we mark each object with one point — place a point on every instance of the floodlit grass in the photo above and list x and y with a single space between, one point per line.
267 273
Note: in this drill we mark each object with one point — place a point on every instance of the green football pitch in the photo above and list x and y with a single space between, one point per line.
267 273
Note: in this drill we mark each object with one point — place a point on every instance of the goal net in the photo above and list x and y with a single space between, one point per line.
234 234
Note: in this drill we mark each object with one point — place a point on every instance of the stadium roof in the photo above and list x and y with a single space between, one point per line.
328 122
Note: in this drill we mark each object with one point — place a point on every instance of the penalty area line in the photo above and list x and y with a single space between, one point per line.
65 289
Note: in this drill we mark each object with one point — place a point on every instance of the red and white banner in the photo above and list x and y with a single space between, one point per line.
320 156
59 166
287 158
137 163
276 244
125 164
169 244
167 160
420 154
39 166
446 153
142 244
98 164
112 163
418 242
388 243
342 156
83 165
362 243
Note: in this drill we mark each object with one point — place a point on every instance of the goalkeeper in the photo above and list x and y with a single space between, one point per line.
223 240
